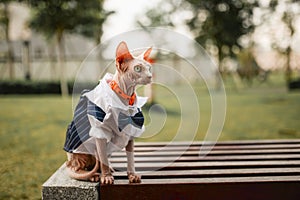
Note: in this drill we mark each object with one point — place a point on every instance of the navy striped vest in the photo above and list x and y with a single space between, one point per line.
78 130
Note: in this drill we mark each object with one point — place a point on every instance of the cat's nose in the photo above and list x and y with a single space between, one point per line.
149 75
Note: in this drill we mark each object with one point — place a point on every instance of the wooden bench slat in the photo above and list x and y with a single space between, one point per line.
212 153
219 143
206 188
207 165
214 173
223 147
208 158
257 179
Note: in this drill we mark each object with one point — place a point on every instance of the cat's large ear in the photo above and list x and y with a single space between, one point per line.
122 55
146 55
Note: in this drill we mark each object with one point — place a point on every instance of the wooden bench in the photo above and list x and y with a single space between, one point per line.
260 169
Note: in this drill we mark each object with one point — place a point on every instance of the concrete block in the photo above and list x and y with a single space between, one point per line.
61 186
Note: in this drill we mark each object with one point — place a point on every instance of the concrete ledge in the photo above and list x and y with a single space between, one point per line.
61 186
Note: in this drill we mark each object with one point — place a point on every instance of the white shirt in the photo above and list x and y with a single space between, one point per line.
105 98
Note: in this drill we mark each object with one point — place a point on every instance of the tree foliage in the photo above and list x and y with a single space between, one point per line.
222 23
214 23
4 23
55 17
282 40
73 16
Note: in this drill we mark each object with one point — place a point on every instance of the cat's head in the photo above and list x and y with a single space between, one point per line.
136 69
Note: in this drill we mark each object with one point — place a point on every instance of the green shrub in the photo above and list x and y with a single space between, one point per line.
39 87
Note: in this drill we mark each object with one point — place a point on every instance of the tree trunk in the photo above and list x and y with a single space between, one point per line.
26 59
219 73
288 71
61 63
10 54
52 58
288 19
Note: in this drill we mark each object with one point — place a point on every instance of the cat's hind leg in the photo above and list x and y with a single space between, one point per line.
83 167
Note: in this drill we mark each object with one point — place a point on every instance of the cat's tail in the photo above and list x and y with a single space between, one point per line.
82 174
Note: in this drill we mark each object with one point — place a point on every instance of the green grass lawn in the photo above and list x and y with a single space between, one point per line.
33 129
31 139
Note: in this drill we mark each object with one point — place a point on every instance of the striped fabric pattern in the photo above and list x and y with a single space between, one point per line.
78 130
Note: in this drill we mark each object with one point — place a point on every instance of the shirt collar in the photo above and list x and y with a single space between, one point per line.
114 100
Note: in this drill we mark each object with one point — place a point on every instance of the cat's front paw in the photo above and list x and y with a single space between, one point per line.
107 179
95 178
134 178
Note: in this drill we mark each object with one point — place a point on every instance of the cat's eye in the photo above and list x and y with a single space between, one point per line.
137 68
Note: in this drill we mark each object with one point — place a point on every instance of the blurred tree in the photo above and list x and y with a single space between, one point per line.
4 23
221 26
248 68
161 15
56 17
290 11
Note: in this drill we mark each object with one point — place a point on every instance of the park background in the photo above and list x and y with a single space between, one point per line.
255 44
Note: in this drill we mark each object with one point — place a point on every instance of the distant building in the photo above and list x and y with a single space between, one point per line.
42 52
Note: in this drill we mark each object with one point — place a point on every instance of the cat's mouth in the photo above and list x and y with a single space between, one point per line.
148 80
144 81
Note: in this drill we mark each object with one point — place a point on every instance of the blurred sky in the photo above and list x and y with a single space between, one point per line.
126 15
